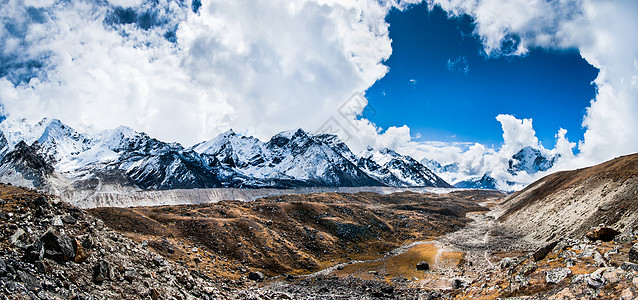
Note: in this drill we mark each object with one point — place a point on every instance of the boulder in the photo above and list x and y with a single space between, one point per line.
596 280
458 284
101 271
34 252
58 247
256 276
555 275
604 234
69 219
422 266
57 221
508 262
130 274
542 252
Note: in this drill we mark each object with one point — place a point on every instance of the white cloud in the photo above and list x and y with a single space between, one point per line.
256 66
516 134
475 160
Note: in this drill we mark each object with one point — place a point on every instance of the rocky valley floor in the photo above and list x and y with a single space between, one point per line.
315 246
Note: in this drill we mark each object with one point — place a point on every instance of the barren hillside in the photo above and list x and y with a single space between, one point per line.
570 203
294 234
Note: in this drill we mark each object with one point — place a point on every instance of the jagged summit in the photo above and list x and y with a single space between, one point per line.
123 156
531 160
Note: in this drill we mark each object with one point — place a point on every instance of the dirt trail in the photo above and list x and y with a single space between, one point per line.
462 254
480 239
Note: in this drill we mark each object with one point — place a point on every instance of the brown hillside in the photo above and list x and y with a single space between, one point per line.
292 233
569 203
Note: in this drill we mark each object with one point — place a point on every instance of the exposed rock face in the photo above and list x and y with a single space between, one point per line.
25 165
485 182
543 251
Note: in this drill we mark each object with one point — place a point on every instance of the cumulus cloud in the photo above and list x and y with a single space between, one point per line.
185 73
463 161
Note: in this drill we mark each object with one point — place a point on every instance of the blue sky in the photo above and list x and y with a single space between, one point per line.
443 86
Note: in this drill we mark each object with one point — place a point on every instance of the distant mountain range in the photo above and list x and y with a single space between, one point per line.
527 160
51 154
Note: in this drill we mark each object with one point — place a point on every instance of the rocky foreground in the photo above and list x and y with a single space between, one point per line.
51 250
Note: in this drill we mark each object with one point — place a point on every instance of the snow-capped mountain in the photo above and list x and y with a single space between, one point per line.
518 170
530 160
485 182
122 156
395 169
25 166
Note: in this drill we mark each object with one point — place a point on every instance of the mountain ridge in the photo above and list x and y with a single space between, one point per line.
125 157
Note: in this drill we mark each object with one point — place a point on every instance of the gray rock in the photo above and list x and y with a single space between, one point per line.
567 254
508 262
633 253
518 281
15 237
556 275
611 252
58 247
458 284
101 272
130 274
34 252
69 219
596 279
528 269
256 276
422 266
542 252
628 266
595 282
624 238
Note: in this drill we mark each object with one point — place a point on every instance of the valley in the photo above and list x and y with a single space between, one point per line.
453 244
